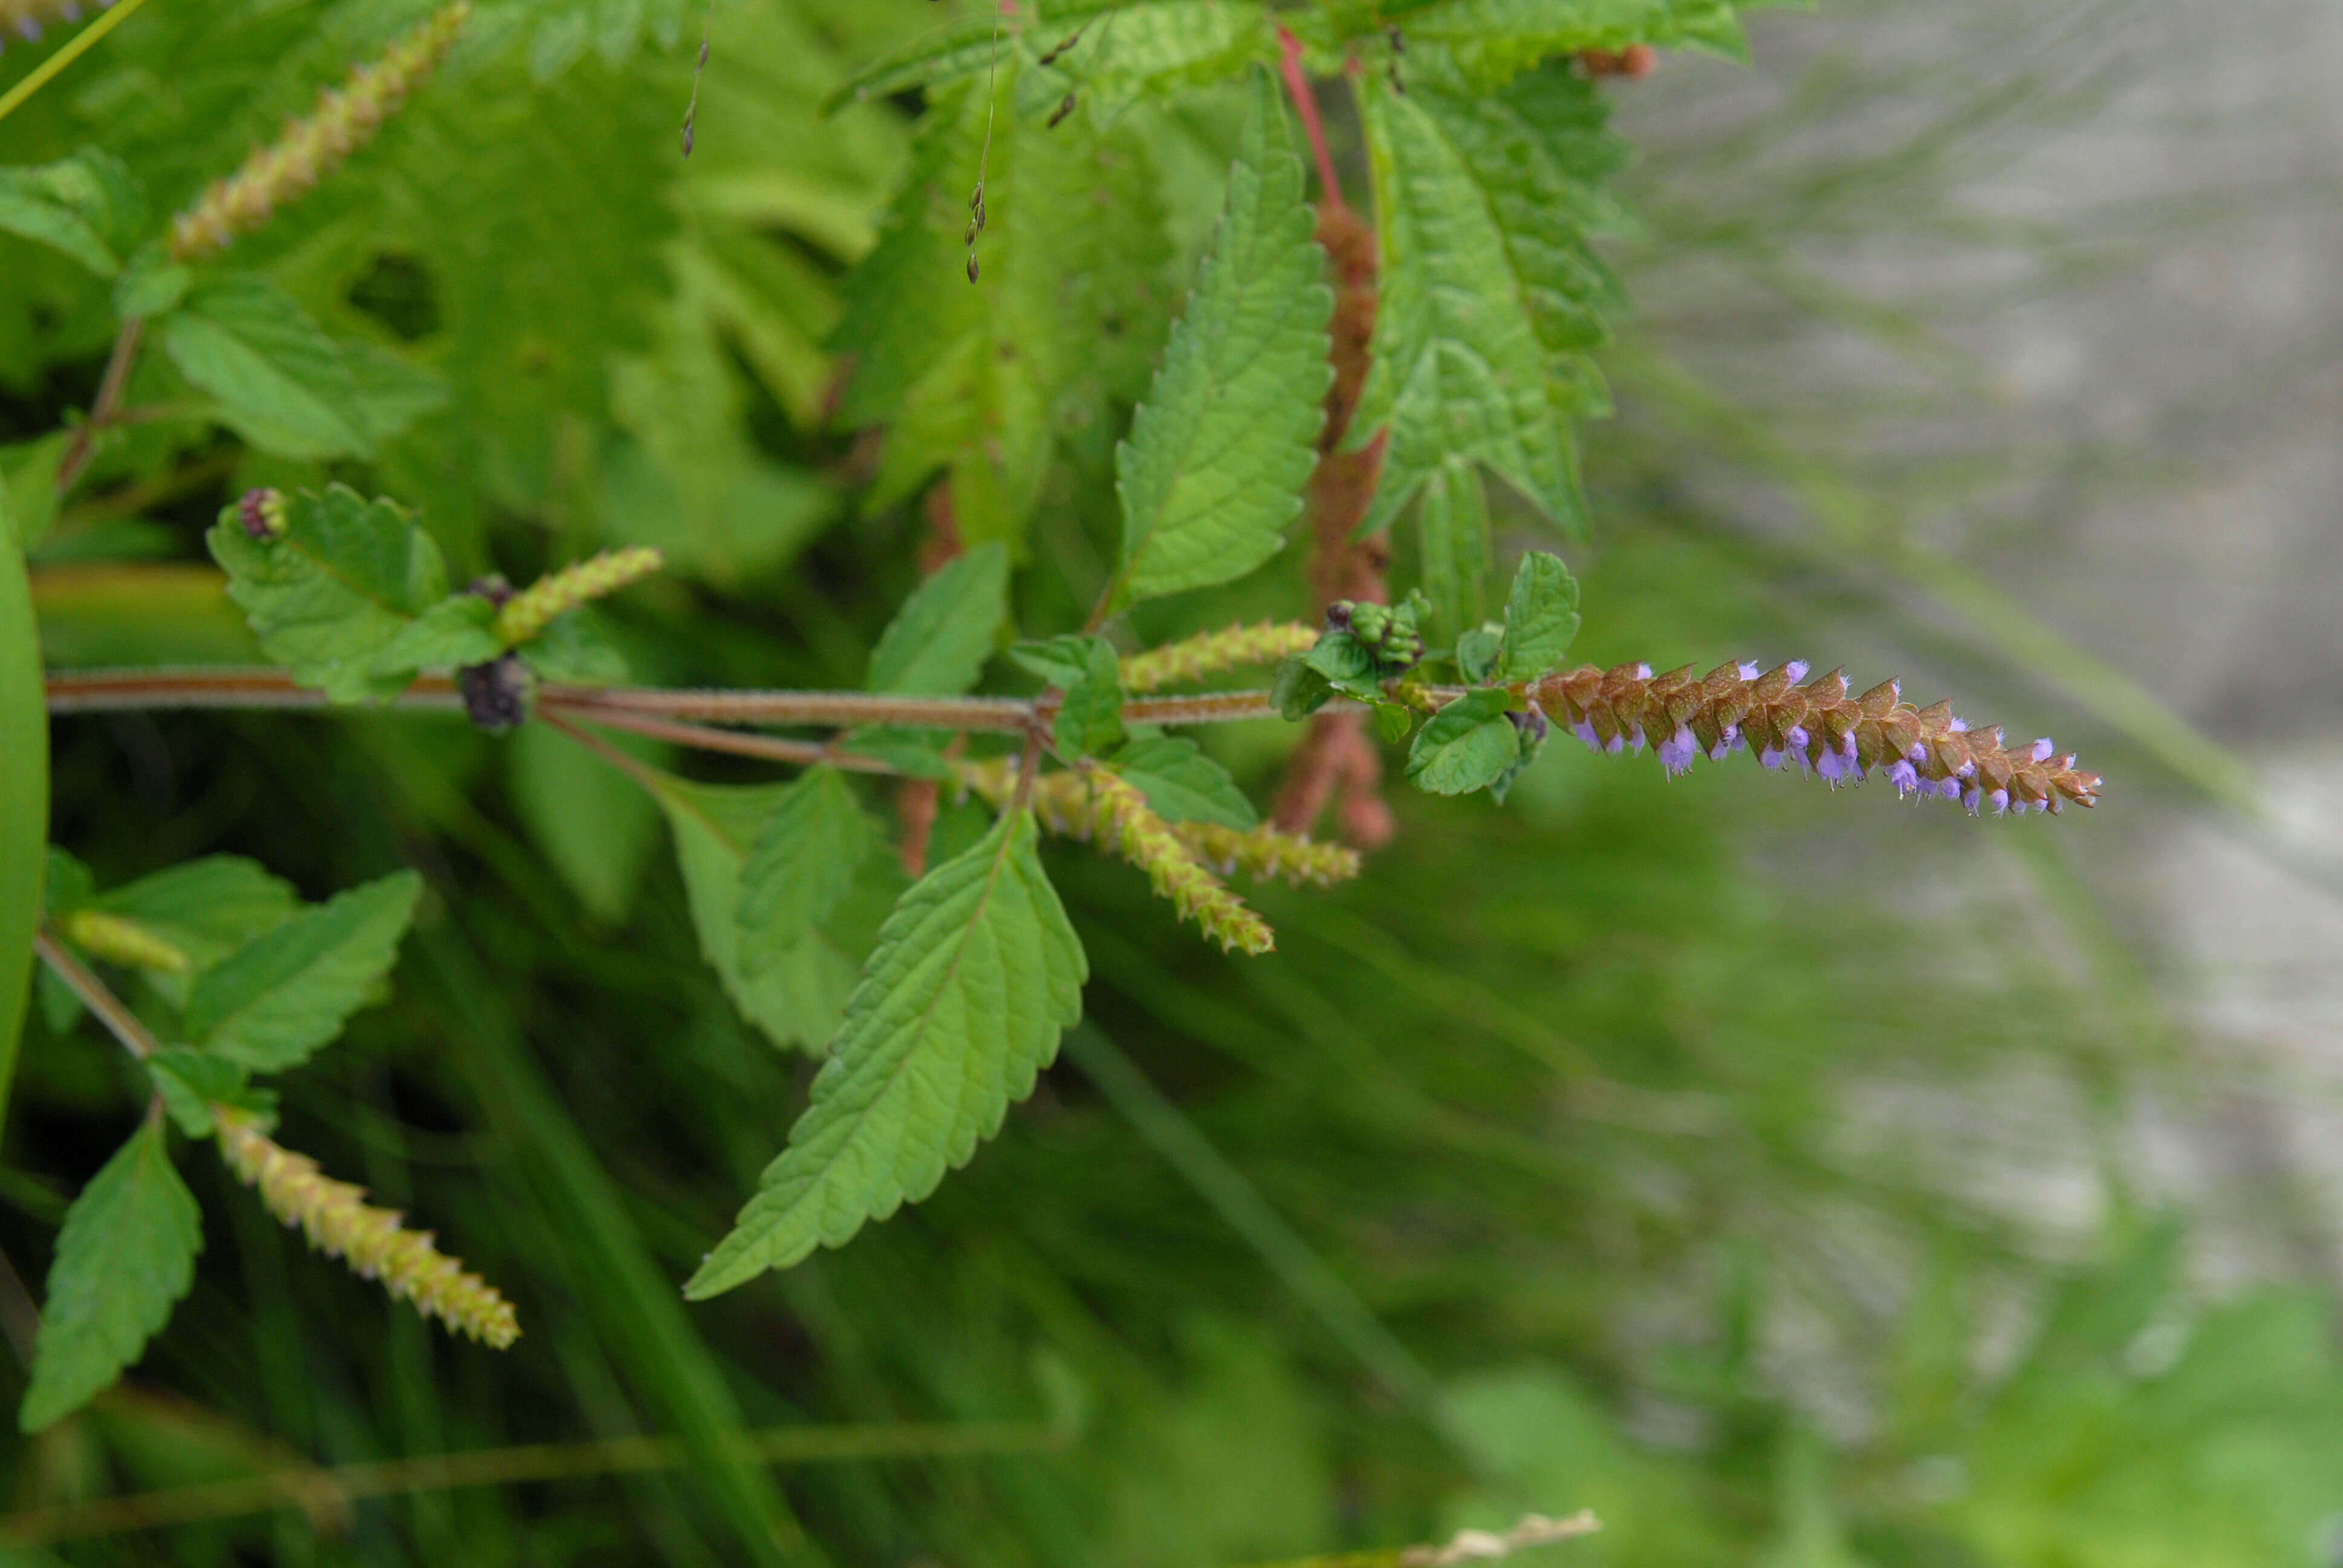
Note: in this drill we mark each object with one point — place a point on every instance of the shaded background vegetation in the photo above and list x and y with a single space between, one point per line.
1795 1180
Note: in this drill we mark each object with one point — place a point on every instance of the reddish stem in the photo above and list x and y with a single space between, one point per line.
1305 104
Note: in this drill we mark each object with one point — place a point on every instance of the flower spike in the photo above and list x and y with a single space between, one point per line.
1145 840
1210 652
530 611
1818 727
121 942
346 119
340 1223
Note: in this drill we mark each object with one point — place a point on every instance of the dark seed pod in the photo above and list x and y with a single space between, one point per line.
496 694
972 267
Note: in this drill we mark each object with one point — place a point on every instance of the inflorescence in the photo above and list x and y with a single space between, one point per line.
1211 653
345 120
340 1223
1818 726
1126 821
522 617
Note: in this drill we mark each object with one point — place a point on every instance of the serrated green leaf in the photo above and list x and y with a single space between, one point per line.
125 1254
591 822
1492 300
1183 784
938 642
1452 532
1477 652
1466 746
798 997
24 794
284 993
206 908
984 383
280 382
1089 672
448 635
87 206
807 853
976 974
192 1081
1298 689
335 589
1349 666
1541 617
964 46
1213 472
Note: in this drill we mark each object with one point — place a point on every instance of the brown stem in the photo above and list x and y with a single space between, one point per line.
1305 104
803 753
119 1020
110 390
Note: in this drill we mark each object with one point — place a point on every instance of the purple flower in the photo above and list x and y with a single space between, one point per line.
2043 750
1906 779
1749 671
1677 751
1585 730
1796 669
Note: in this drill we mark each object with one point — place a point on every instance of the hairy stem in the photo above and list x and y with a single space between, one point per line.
102 413
97 996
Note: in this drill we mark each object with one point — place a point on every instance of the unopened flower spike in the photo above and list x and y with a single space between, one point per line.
339 1222
346 119
1818 726
1067 806
1212 652
527 613
1127 822
262 513
121 942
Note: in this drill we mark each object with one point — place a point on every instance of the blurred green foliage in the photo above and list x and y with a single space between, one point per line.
1527 1173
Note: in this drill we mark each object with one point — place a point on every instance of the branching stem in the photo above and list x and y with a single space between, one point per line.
97 996
102 413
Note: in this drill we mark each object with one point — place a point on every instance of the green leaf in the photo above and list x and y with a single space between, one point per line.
1349 665
337 588
1090 673
28 486
85 206
1466 746
280 382
1541 617
797 998
938 642
985 382
284 993
1452 533
1495 39
964 46
807 853
448 635
1477 652
591 821
1492 301
192 1081
127 1252
1298 689
576 648
1213 472
1183 784
206 908
24 794
976 974
151 283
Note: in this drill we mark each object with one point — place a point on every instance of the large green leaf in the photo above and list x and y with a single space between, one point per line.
983 383
280 382
335 589
1541 617
807 853
1184 785
283 994
24 794
1492 301
976 974
127 1252
1213 470
938 642
798 994
87 206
